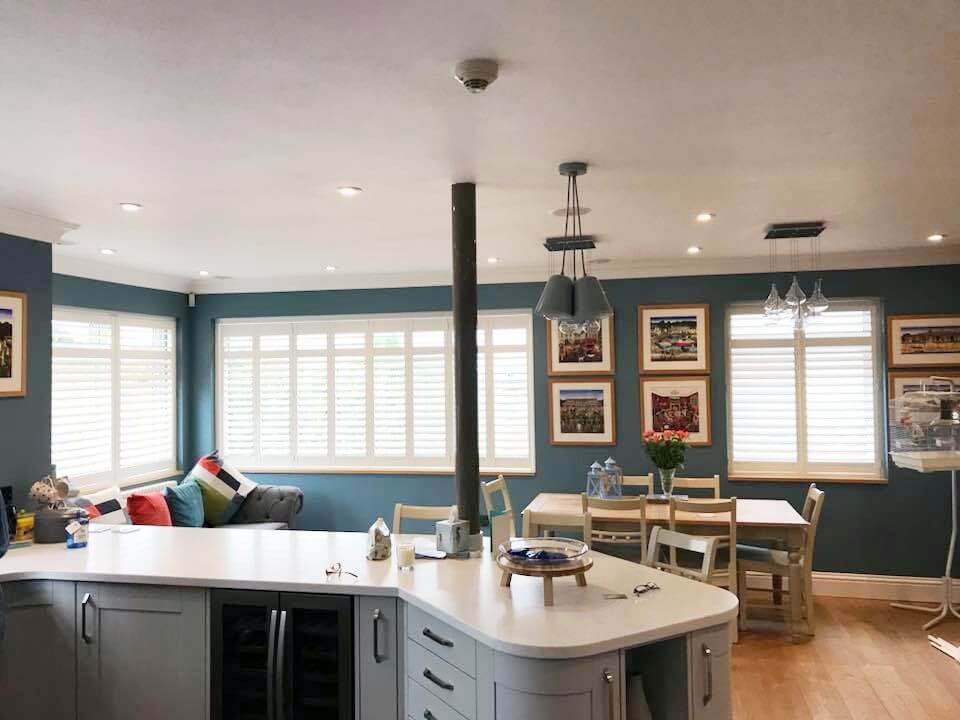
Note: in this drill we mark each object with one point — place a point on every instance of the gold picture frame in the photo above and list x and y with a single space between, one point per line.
575 356
654 391
666 334
588 403
13 344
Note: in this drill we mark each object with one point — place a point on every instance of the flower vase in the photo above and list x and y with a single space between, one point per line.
666 480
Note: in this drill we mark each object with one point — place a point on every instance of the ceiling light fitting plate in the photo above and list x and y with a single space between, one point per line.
573 169
571 242
779 231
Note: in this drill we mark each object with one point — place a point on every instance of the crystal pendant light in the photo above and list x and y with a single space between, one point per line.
795 296
771 306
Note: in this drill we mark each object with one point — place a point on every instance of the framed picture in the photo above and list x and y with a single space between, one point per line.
676 403
902 381
582 412
923 340
13 344
580 353
673 339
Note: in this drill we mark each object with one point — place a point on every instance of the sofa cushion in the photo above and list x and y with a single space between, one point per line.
270 503
105 506
223 488
149 509
186 504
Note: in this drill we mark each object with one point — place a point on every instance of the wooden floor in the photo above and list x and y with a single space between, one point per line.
867 661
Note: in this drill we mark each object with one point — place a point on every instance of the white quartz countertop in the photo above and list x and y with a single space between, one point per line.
464 593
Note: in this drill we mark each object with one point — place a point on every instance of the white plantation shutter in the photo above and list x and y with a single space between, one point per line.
369 392
113 411
805 407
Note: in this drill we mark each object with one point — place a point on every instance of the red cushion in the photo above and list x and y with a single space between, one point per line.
148 509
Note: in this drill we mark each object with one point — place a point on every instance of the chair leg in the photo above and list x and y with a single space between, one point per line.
808 600
742 587
778 590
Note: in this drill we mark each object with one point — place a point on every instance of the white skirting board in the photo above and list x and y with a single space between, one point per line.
868 587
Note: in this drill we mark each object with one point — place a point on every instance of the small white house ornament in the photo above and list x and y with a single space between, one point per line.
379 543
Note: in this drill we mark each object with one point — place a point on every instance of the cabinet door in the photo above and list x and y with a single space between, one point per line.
710 674
243 637
315 657
587 688
377 657
141 653
38 651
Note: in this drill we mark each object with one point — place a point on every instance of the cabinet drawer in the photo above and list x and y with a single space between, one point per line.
422 705
710 674
442 680
457 648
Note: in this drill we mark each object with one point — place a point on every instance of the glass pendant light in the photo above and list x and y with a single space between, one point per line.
818 301
795 296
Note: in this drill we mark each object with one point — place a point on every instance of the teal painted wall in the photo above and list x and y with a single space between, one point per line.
863 528
25 422
98 295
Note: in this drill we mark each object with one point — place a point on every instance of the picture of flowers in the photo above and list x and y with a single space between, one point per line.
673 338
923 340
582 412
13 344
676 404
574 350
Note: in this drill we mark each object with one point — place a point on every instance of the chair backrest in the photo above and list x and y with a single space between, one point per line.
640 481
535 523
711 507
621 535
490 489
688 483
418 512
812 507
703 545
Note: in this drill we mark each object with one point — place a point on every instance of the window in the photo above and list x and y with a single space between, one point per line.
369 393
806 407
114 404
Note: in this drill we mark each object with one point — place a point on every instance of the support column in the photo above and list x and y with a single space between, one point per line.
467 467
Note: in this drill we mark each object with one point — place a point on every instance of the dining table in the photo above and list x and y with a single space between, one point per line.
773 521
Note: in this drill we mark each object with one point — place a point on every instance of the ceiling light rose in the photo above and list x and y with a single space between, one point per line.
694 250
204 273
705 217
107 251
131 207
330 268
349 190
936 237
493 260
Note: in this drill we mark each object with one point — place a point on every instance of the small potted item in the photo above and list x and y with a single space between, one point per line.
668 450
53 515
379 542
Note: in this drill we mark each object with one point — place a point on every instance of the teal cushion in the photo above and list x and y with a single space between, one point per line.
186 504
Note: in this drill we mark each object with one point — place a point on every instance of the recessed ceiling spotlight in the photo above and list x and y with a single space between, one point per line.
349 190
705 217
204 273
330 268
131 207
107 251
493 260
64 242
694 250
936 237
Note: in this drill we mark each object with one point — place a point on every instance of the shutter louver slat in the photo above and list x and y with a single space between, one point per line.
274 402
389 406
350 394
763 404
429 405
238 416
510 404
81 410
312 423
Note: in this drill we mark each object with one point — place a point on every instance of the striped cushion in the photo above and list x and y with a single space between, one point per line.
224 488
105 507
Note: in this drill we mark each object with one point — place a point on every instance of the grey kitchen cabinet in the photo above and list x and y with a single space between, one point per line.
37 654
377 657
709 658
142 652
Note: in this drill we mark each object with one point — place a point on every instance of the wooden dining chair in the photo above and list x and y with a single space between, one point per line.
633 534
535 523
705 546
489 491
776 562
722 575
690 483
641 481
418 512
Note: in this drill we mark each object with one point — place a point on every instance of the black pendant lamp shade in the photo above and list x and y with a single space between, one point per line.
573 300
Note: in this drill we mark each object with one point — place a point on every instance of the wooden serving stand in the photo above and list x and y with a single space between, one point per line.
546 571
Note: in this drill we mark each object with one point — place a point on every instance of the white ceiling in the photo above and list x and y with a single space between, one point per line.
232 123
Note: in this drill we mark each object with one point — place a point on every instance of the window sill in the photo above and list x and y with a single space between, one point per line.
294 470
835 478
128 482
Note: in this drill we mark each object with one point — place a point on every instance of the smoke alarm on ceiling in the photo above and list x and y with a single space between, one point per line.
475 75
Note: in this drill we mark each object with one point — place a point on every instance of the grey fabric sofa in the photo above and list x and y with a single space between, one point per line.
267 507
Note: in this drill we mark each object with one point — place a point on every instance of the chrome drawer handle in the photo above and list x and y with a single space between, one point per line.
428 633
611 693
708 665
439 682
427 715
377 617
83 618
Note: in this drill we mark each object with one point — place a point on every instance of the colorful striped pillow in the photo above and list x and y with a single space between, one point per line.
224 488
105 507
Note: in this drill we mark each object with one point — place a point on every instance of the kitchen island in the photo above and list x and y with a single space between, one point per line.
145 615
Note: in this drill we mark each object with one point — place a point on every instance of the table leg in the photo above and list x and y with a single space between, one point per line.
505 579
581 579
547 591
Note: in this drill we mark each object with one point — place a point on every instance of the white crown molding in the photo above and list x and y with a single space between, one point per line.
125 275
909 257
33 226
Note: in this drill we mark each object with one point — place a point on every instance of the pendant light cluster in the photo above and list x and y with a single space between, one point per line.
795 307
577 302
